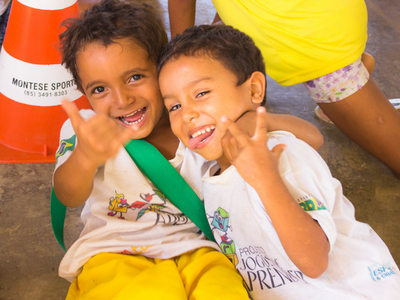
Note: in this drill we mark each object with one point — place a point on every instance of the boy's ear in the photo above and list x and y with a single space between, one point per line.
257 85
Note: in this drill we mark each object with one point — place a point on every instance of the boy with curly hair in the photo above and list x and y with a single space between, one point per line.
134 241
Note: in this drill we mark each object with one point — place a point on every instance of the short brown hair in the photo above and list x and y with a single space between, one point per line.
231 47
108 21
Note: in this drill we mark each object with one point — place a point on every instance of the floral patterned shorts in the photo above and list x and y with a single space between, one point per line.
339 84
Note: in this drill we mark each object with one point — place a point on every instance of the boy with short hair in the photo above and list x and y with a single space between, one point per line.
279 215
134 241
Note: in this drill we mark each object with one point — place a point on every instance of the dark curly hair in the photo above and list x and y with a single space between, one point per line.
231 47
107 22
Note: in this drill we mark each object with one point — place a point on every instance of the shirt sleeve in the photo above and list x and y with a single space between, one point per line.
68 140
309 181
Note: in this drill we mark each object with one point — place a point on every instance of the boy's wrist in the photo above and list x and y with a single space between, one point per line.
84 161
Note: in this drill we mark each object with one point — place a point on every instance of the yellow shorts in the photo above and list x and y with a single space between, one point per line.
202 274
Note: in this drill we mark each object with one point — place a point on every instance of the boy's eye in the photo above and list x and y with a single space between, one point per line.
175 107
98 90
202 94
136 77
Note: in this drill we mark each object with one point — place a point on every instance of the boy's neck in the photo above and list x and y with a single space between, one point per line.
163 139
223 163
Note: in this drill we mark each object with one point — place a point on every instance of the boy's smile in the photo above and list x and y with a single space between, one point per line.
197 92
121 82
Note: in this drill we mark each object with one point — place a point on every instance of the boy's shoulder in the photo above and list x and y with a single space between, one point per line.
298 154
284 137
289 139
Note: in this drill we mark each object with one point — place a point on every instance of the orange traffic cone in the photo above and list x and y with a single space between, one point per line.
33 81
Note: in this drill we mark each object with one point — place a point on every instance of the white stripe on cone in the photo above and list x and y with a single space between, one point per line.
47 4
38 85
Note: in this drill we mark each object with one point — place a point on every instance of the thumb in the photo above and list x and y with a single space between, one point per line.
72 111
278 149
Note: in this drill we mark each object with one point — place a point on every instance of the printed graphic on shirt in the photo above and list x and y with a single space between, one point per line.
141 249
259 271
380 272
220 221
66 145
118 204
136 250
308 203
155 202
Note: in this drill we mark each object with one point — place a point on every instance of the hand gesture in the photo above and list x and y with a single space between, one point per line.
99 138
250 155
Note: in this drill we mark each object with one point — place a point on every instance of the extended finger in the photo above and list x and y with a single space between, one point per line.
234 148
230 147
113 133
227 148
224 125
261 125
236 132
72 111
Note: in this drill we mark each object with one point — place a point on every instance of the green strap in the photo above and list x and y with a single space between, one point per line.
57 214
163 175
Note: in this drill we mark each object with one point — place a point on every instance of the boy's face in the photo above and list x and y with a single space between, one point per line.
121 82
197 92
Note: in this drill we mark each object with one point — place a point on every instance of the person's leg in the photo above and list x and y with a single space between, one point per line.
369 62
120 276
371 121
209 274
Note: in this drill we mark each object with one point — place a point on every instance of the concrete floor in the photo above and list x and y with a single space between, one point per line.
30 255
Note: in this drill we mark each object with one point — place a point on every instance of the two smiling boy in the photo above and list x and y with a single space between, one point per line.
114 65
111 51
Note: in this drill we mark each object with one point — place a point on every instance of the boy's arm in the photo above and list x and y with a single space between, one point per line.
181 15
99 139
302 129
301 236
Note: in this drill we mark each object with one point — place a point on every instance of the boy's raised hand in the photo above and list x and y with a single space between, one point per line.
250 155
99 138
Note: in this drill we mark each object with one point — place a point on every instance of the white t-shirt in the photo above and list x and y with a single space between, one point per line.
360 264
127 214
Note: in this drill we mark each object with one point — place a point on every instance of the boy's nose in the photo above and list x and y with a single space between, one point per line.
123 98
189 115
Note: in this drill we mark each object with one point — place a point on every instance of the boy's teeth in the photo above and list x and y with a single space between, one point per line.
203 131
132 113
137 121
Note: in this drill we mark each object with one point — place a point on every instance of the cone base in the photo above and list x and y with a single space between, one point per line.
12 156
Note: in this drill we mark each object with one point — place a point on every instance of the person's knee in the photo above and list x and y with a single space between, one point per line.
369 62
